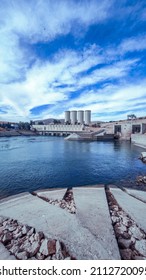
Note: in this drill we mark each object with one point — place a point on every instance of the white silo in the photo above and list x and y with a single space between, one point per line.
81 117
67 117
73 116
87 117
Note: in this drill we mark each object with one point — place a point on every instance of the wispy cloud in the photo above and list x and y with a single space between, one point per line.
88 73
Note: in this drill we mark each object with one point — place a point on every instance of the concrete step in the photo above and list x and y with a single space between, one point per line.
93 214
141 195
132 206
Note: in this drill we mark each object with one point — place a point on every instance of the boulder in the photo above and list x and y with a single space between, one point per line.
7 237
44 248
22 256
126 254
124 243
52 247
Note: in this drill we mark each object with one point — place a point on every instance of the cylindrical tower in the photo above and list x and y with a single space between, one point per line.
81 117
73 116
67 117
87 117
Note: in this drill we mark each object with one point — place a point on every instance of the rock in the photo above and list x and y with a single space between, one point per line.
124 243
143 155
44 248
126 254
40 256
22 256
59 255
18 235
26 246
34 248
68 258
14 249
125 235
135 231
32 238
11 228
125 221
1 230
31 231
140 246
48 258
119 229
73 210
115 208
115 219
52 247
7 238
25 229
39 236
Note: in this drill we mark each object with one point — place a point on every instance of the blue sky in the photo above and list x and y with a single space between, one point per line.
58 55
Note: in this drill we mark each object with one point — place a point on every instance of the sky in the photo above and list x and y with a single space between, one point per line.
58 55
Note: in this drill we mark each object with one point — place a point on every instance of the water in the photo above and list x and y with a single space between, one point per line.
30 163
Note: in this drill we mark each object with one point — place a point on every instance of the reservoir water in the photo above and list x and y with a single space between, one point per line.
30 163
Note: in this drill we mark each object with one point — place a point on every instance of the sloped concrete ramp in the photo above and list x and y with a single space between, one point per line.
82 237
93 214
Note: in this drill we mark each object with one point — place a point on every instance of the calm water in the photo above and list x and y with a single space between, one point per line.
30 163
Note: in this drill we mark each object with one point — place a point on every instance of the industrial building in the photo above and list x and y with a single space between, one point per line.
78 117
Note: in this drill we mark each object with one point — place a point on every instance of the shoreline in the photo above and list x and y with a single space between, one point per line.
18 133
121 186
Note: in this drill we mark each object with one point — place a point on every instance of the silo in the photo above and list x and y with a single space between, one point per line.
81 117
87 117
73 116
67 116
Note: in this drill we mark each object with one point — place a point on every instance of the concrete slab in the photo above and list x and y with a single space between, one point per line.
93 214
14 197
50 194
4 253
141 195
132 206
58 223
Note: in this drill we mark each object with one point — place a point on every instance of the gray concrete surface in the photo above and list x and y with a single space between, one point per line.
137 194
51 194
4 253
93 214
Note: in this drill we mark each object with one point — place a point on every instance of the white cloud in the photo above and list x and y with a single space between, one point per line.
42 20
23 87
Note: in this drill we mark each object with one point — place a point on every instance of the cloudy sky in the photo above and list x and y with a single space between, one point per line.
58 55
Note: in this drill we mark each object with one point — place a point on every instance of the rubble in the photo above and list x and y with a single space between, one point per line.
23 242
131 239
141 180
67 202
